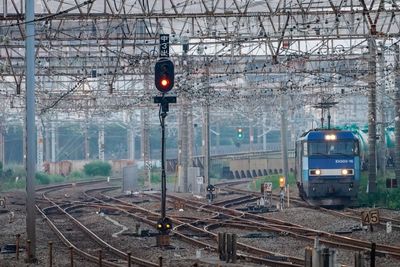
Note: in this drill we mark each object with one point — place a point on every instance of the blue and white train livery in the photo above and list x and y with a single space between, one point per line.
328 167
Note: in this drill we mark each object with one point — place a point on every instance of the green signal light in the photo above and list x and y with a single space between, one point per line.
239 133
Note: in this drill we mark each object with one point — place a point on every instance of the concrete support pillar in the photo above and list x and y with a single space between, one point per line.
53 141
86 146
206 142
191 140
184 143
131 135
2 145
101 143
39 148
265 130
251 134
218 137
372 116
145 145
24 145
145 132
382 126
47 143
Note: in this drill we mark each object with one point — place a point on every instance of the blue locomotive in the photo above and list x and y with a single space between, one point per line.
327 167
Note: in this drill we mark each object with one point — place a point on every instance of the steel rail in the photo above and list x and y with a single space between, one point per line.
302 203
284 226
67 243
92 235
292 261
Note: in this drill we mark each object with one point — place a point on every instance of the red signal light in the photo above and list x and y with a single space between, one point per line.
164 75
164 82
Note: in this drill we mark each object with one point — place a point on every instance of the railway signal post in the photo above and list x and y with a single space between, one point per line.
210 192
164 81
282 184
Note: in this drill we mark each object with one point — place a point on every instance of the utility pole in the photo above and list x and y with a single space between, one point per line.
206 134
101 143
86 147
39 151
397 114
30 128
184 133
53 130
2 144
191 139
265 129
131 134
206 142
145 136
372 115
251 133
183 144
382 140
285 163
47 142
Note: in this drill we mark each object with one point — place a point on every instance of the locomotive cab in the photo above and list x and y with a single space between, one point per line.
328 167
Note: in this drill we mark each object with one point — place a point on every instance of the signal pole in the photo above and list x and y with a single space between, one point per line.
164 82
164 224
285 164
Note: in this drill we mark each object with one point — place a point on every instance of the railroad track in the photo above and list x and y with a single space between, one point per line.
294 230
347 213
80 246
188 226
184 230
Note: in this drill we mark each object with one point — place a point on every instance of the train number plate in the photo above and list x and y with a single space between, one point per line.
370 217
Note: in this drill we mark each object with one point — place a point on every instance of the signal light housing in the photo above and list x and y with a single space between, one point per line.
164 75
210 188
164 225
239 133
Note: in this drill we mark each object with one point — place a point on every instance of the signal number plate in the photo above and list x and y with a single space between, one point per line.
370 217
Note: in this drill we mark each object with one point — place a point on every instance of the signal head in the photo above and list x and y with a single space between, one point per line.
164 75
239 133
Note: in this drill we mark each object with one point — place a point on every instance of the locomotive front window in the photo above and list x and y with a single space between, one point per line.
346 148
305 150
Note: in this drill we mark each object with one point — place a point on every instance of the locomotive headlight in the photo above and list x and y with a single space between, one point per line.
347 172
330 137
315 172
